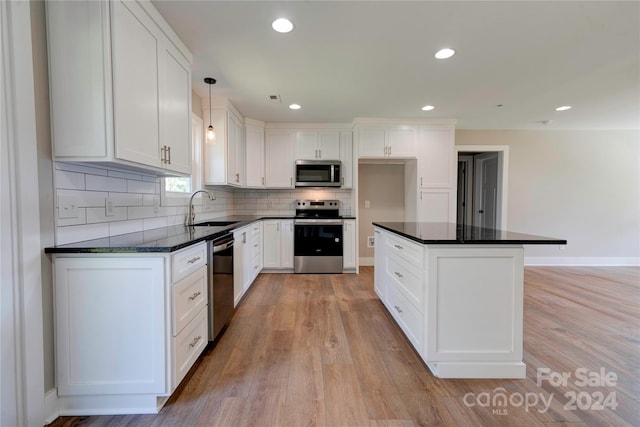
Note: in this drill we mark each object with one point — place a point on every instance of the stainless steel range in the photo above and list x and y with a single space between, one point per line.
317 243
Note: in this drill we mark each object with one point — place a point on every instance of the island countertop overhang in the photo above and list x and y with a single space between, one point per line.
447 233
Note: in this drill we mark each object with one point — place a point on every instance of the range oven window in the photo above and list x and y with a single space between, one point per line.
318 240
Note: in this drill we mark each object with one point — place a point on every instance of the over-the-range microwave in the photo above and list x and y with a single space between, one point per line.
318 173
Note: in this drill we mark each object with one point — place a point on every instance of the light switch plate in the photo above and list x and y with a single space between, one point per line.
108 207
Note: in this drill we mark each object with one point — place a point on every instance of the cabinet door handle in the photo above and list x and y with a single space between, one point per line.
169 155
278 226
263 180
320 154
400 276
420 181
237 177
162 154
195 341
398 309
399 247
194 296
389 150
291 181
244 237
194 259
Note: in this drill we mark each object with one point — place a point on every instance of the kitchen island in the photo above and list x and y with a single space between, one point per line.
456 293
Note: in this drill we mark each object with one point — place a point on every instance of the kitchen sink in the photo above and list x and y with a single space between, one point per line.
216 223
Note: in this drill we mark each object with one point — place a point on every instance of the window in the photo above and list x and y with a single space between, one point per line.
175 189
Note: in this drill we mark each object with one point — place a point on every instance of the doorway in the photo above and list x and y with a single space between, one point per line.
481 200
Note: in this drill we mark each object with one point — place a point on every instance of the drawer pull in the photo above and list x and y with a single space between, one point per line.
398 309
398 274
256 245
194 296
194 259
399 247
195 341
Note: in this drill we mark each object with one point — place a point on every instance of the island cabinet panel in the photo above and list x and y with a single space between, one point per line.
475 305
460 305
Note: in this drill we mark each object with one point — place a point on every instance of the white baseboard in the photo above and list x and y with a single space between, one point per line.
583 261
51 406
365 261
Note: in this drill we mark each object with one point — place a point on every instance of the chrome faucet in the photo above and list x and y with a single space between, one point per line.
192 213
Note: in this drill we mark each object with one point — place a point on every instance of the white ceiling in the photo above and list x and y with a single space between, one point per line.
348 59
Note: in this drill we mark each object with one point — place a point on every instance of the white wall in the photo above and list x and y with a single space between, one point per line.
383 186
582 186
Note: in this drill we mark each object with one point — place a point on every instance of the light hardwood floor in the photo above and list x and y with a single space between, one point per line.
321 350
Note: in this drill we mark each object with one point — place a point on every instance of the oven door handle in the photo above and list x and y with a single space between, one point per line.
317 221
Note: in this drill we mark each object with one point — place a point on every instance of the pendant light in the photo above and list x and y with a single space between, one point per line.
211 133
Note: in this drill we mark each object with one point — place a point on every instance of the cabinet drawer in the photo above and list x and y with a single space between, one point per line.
256 248
256 229
406 249
188 297
408 318
188 345
188 260
407 278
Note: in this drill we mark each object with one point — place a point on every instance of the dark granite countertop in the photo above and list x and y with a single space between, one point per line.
165 239
446 233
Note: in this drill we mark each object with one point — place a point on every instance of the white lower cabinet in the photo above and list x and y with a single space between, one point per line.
120 328
349 261
247 258
277 247
460 306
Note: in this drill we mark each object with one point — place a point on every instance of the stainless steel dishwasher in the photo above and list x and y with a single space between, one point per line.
220 282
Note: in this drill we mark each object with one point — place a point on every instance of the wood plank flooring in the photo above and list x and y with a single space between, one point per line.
321 350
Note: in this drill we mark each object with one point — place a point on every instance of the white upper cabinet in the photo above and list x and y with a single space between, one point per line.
436 161
120 86
224 156
254 154
386 141
346 157
279 162
317 145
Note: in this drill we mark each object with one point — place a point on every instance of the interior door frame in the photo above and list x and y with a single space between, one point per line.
503 175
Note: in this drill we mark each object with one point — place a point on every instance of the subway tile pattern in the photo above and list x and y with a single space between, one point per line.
134 196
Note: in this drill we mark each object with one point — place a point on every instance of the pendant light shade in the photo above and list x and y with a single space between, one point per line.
211 132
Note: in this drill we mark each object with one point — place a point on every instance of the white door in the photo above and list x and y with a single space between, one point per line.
279 162
176 110
271 242
329 145
306 145
135 85
486 192
254 155
287 244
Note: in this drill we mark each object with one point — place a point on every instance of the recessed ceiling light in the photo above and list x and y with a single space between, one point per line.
282 25
564 108
295 106
445 53
428 108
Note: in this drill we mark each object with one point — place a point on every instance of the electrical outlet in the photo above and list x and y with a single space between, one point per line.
108 207
562 247
156 205
367 204
270 204
371 241
67 207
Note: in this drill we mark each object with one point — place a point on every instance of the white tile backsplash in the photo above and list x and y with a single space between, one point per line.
105 183
70 180
133 194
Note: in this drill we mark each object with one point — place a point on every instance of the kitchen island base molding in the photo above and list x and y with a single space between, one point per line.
478 370
121 404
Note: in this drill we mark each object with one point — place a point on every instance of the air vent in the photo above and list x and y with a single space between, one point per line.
275 98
